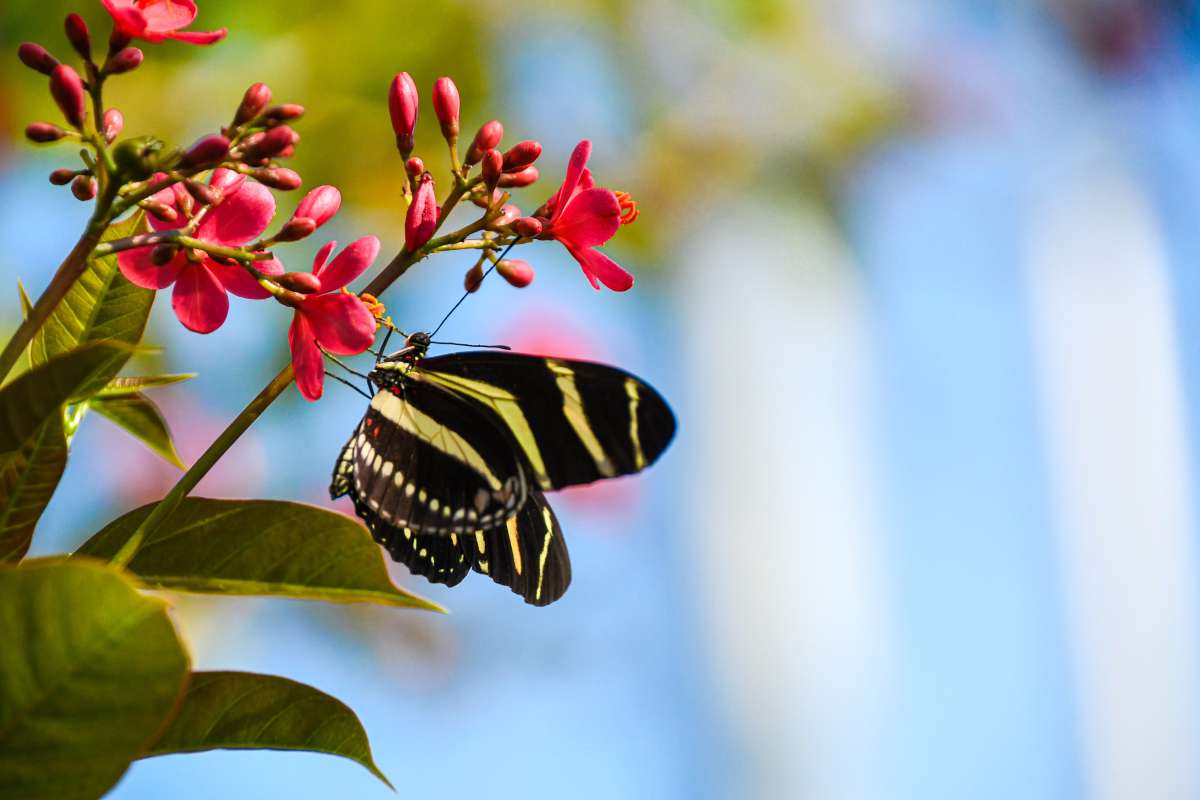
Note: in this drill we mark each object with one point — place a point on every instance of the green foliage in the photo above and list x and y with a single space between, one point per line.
28 477
138 415
242 710
101 305
37 395
259 547
89 672
123 387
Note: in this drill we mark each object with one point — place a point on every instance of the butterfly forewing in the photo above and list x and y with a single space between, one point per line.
574 421
425 460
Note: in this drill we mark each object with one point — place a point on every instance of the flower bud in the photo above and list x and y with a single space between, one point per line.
527 227
78 36
283 113
160 210
37 58
319 206
43 132
206 151
137 158
126 59
67 89
517 272
402 105
290 299
302 282
422 217
114 123
488 137
507 214
295 229
62 176
446 106
270 144
473 278
185 201
118 41
203 193
516 180
83 187
414 166
493 162
521 155
253 102
278 178
163 254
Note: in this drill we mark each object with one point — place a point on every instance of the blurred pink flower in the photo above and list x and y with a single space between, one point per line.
335 320
199 298
156 20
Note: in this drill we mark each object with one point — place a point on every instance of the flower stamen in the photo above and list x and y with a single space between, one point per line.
629 209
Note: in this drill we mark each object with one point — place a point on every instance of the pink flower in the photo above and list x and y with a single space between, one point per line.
155 20
199 298
331 319
583 217
421 220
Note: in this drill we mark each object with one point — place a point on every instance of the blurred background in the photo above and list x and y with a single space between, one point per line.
920 281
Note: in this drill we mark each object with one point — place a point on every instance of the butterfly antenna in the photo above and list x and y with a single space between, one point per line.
467 294
465 344
340 379
342 364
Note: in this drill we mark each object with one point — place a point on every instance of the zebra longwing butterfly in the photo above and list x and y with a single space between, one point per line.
449 464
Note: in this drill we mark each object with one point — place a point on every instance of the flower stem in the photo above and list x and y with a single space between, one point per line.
203 464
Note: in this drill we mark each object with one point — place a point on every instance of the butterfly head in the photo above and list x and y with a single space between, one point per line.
389 369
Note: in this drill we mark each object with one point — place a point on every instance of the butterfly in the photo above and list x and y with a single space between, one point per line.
450 464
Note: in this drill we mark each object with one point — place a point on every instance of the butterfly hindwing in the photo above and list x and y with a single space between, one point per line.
574 421
428 461
528 554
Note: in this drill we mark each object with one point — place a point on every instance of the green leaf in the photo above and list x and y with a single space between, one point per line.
102 304
122 387
138 415
90 670
32 398
28 477
263 547
243 710
26 304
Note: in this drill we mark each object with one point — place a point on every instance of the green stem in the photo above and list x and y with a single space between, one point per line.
181 239
203 464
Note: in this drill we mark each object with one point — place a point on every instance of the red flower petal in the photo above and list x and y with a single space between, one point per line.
199 299
340 322
589 220
167 15
199 37
307 361
227 181
575 168
323 256
240 217
596 265
348 264
126 16
137 267
236 279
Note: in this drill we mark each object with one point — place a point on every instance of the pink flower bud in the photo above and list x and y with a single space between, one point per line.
118 41
203 193
162 254
422 217
521 155
126 59
446 106
114 123
68 92
270 144
517 272
185 201
161 211
302 282
402 104
414 166
516 180
43 132
319 205
473 278
527 227
493 162
283 113
206 151
37 58
507 214
62 176
78 36
278 178
253 102
295 229
488 138
83 187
